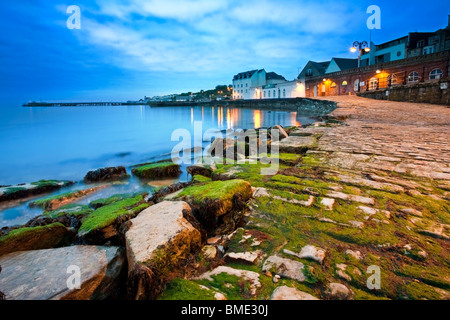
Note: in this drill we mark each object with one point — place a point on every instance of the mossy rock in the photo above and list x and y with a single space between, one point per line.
223 191
104 223
60 200
107 201
180 289
71 210
200 179
37 238
201 169
219 205
157 170
31 189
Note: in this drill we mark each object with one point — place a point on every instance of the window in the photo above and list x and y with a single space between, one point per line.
333 85
284 93
373 84
392 79
274 94
246 85
264 94
421 44
269 93
428 50
309 73
242 85
344 83
436 74
413 77
246 91
356 85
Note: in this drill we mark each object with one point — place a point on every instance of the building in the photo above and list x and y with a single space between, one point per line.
407 61
259 84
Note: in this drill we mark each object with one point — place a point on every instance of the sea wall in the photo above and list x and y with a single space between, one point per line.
431 92
298 104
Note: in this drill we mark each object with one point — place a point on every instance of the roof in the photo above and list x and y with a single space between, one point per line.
345 64
321 67
247 74
274 76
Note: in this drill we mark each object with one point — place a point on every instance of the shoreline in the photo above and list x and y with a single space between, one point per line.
370 193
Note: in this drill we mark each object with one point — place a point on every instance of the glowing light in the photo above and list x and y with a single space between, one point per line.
367 49
378 71
353 49
257 118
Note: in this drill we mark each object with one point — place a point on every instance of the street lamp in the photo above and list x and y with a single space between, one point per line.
360 46
363 45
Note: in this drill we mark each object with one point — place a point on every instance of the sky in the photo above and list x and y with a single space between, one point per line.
126 50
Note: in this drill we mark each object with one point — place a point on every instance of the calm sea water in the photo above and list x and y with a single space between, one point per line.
65 143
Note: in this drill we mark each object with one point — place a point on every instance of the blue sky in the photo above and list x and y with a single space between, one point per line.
128 49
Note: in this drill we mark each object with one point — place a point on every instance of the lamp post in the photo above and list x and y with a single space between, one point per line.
363 45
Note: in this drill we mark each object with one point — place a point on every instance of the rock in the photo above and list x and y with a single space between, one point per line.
105 223
340 271
313 253
295 144
157 170
209 252
276 279
412 211
355 254
357 224
205 170
368 211
106 174
214 240
251 277
261 193
328 203
61 200
45 274
244 257
283 133
42 237
350 197
218 205
157 241
285 267
337 291
287 293
26 190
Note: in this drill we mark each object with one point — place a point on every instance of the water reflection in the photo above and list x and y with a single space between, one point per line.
257 118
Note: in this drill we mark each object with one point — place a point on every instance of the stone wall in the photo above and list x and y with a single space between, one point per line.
431 92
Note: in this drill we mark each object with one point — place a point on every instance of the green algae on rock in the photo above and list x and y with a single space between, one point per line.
157 170
36 238
71 210
31 189
103 223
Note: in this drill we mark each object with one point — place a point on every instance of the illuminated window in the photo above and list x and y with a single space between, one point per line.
333 85
344 83
373 84
436 74
413 77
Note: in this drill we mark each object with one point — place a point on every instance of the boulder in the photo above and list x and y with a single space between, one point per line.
158 241
287 293
218 205
46 274
105 223
205 170
157 170
285 267
25 190
42 237
295 144
61 200
337 291
244 257
283 133
313 253
106 174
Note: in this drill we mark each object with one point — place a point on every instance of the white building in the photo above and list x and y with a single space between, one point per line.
259 84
